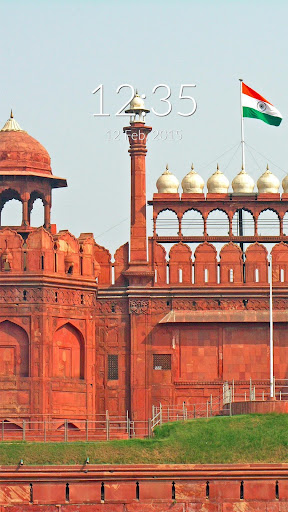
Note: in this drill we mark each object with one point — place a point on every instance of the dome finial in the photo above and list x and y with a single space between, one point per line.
218 183
167 183
192 183
242 168
167 167
11 114
268 183
136 92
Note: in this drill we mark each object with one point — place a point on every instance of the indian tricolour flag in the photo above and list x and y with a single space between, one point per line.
254 105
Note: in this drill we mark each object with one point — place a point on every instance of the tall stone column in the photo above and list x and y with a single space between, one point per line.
138 271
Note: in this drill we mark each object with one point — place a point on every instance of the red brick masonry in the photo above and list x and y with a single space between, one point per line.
141 488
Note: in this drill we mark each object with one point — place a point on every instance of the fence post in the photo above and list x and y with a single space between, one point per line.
274 387
207 409
263 396
230 409
250 390
149 428
211 406
160 414
24 430
183 407
233 391
127 422
65 431
107 425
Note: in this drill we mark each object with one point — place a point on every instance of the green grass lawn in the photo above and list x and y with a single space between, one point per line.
251 438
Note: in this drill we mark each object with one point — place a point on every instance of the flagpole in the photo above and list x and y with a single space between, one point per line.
242 126
240 217
271 329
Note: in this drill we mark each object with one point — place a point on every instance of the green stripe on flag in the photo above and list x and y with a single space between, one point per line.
251 112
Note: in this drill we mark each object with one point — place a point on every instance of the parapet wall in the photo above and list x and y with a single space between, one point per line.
141 488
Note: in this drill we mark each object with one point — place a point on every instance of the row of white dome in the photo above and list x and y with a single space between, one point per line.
193 183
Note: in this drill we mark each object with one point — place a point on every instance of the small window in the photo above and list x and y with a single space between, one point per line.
180 275
256 275
206 275
282 275
161 361
231 276
112 367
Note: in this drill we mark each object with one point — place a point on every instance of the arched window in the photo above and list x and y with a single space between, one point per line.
14 350
68 350
37 213
268 223
11 214
248 227
192 223
167 224
217 223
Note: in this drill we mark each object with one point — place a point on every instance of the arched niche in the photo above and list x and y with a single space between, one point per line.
205 265
256 264
231 264
157 260
68 353
121 258
280 263
268 223
217 223
11 208
180 264
14 350
167 223
192 223
248 223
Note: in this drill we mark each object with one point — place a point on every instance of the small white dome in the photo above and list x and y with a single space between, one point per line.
193 183
268 183
285 184
243 183
218 183
167 183
137 102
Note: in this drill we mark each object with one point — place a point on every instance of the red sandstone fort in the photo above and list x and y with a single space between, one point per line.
82 333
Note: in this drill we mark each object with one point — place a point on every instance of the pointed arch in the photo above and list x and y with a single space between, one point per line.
14 350
68 352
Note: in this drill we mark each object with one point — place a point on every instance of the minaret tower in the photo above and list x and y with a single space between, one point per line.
138 272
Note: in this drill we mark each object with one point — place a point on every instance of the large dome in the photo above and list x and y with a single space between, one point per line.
20 152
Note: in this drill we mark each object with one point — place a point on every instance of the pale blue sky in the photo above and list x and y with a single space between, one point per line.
54 54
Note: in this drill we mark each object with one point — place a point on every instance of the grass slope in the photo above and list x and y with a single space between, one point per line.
251 438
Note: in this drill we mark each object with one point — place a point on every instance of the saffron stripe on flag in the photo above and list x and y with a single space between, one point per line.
247 90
